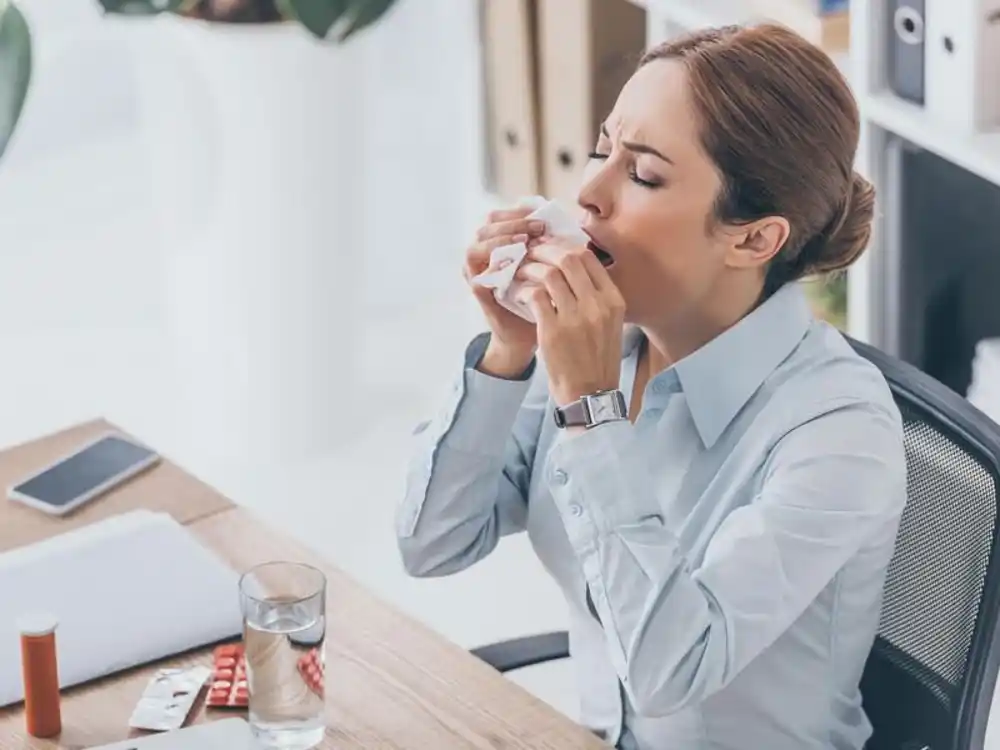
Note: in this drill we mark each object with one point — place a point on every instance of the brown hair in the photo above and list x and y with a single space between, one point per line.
781 125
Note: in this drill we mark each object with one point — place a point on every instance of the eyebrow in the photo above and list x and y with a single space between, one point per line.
638 148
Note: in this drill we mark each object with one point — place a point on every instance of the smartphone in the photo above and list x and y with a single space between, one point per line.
83 475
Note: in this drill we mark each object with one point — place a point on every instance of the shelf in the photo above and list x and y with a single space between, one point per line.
698 14
829 32
979 153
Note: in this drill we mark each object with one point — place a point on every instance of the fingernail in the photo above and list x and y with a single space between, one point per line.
536 227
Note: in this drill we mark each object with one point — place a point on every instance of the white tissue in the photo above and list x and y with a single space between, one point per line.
504 261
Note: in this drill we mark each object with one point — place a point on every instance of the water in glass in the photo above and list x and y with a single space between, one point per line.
284 631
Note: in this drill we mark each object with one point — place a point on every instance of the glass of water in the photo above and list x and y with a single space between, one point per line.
284 631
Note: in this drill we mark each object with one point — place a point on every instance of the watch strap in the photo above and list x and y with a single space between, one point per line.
574 414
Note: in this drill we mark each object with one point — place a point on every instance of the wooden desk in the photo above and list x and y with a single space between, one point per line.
166 487
391 683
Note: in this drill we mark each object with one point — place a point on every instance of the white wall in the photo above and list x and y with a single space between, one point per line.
422 141
75 168
77 205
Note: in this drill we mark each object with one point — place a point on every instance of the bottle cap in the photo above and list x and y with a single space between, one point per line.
37 624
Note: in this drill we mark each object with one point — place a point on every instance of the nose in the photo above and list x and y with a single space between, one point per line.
595 195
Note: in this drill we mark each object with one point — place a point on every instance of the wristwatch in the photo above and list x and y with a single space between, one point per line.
592 410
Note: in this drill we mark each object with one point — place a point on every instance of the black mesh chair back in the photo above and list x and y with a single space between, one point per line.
928 683
929 680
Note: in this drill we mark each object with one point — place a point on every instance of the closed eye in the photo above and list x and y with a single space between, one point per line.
633 175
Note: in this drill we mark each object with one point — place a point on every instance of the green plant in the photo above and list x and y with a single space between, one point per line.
341 19
15 68
828 297
325 19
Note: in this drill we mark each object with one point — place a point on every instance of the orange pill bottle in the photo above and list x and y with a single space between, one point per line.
42 713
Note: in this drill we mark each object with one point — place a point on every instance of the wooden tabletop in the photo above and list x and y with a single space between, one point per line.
390 682
165 487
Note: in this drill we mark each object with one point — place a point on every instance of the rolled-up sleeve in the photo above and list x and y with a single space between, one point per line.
467 483
678 633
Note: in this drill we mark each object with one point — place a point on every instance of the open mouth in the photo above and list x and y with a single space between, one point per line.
603 255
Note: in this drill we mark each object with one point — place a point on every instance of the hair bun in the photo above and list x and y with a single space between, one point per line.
846 235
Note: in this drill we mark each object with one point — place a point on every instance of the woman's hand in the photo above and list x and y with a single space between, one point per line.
513 341
580 314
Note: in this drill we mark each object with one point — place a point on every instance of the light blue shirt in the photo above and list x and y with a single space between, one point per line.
722 558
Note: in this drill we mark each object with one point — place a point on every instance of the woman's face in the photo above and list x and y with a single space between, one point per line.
649 191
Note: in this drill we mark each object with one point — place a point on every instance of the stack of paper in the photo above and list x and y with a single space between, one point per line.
125 591
984 390
231 734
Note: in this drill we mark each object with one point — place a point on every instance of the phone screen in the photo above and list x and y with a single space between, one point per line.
85 471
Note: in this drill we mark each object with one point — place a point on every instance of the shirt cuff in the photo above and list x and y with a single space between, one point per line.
476 350
484 415
599 484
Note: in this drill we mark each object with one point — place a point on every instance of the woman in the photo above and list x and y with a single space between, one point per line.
723 548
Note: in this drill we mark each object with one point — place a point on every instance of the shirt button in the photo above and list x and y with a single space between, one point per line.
576 509
560 476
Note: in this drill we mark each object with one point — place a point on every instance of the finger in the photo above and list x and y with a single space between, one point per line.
571 261
552 279
477 258
551 250
506 214
598 274
521 225
534 242
607 290
537 299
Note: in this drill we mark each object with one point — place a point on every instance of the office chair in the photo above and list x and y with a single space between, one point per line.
928 682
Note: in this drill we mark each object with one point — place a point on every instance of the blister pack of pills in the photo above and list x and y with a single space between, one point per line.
229 678
168 699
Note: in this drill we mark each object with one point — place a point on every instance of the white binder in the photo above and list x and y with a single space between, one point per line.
962 59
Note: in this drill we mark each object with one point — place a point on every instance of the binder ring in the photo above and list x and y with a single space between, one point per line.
908 24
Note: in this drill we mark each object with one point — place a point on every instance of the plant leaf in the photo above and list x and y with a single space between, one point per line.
318 16
140 7
15 64
364 13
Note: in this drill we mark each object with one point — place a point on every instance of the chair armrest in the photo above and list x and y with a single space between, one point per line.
516 653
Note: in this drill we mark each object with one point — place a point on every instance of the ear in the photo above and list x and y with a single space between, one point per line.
753 245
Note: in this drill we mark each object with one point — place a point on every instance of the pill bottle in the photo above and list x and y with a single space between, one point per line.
42 712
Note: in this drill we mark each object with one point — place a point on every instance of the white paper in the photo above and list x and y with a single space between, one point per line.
504 261
125 591
221 734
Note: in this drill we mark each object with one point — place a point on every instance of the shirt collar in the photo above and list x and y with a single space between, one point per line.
720 378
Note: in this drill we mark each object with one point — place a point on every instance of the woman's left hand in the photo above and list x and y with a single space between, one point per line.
579 313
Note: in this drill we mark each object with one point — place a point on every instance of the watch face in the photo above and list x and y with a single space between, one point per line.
603 408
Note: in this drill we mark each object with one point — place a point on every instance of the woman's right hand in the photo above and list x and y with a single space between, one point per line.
513 340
